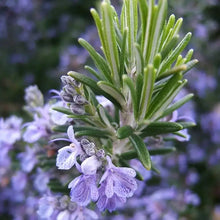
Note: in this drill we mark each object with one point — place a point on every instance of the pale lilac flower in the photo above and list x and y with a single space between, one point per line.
117 184
79 213
191 198
28 158
108 203
35 130
66 157
41 180
47 206
61 208
90 165
84 189
10 127
33 97
58 117
19 181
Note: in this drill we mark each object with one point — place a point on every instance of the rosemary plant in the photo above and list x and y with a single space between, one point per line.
138 74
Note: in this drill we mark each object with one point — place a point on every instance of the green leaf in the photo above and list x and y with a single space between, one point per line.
103 116
158 128
141 150
177 105
60 128
155 169
129 155
139 86
165 96
144 12
148 84
124 132
187 124
162 151
172 71
177 26
130 23
63 110
93 132
113 92
172 44
139 59
174 54
146 34
99 26
128 81
123 53
167 29
159 21
157 60
98 60
94 73
110 39
189 55
190 65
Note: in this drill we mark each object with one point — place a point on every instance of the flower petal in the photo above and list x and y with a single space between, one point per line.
70 133
66 158
109 191
90 165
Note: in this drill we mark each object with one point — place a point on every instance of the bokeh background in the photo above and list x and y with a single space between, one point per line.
38 43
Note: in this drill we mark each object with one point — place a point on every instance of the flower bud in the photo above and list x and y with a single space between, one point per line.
80 100
77 109
70 90
33 96
100 153
67 80
84 141
66 97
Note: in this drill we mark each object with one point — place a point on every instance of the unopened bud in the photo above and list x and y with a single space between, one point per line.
77 109
80 100
64 202
72 206
90 152
84 141
89 148
33 96
100 153
69 89
66 97
83 157
67 80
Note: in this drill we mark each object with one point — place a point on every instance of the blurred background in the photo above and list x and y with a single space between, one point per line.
38 43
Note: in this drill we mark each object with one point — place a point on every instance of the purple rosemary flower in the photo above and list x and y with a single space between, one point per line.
41 179
47 206
33 97
39 127
28 158
108 203
58 117
61 208
117 184
84 189
66 157
10 127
